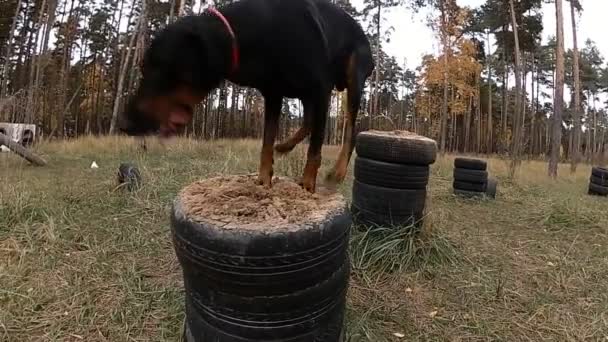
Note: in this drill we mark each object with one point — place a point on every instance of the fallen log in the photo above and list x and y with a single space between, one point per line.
21 151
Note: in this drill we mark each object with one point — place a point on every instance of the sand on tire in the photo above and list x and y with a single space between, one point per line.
236 202
396 134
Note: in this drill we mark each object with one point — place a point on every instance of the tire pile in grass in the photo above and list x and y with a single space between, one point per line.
262 264
391 176
471 178
598 183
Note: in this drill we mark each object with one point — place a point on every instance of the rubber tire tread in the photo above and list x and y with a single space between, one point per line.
470 176
475 187
391 175
599 180
227 270
601 172
471 164
598 189
396 150
268 308
201 330
386 201
249 262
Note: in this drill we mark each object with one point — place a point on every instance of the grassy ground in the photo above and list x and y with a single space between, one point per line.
82 260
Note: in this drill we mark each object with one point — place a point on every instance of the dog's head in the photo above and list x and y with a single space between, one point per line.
178 70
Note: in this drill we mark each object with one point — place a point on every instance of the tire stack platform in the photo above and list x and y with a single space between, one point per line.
262 264
598 182
391 177
471 178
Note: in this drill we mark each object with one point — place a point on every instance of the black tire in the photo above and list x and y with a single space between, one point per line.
599 180
365 218
243 285
468 194
396 147
470 176
391 175
476 187
600 172
388 202
198 329
471 164
598 190
295 323
492 188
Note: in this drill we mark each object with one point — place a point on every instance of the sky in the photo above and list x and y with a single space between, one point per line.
412 37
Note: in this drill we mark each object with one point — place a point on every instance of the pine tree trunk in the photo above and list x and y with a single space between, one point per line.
123 69
524 78
43 61
532 106
478 116
377 70
503 114
556 131
64 73
489 143
594 145
29 106
17 77
444 104
7 53
516 139
467 124
576 116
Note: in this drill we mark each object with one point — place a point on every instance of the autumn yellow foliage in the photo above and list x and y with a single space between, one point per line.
462 76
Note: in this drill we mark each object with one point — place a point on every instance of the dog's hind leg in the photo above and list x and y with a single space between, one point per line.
319 108
271 126
301 134
359 67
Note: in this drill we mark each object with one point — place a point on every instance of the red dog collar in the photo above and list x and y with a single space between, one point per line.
235 48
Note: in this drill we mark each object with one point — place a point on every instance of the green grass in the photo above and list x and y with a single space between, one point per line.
81 259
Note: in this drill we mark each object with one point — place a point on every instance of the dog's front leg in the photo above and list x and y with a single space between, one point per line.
271 126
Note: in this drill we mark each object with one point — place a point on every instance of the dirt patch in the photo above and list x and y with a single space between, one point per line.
397 135
236 202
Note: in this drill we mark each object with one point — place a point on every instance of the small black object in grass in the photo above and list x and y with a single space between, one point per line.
491 187
129 174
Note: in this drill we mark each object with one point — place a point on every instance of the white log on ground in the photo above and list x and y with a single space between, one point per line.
21 151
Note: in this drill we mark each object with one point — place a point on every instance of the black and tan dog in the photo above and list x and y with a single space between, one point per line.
284 48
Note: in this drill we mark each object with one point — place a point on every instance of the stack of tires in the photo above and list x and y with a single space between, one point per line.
471 178
391 176
598 183
271 284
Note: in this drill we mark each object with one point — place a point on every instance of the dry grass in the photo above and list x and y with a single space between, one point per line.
82 260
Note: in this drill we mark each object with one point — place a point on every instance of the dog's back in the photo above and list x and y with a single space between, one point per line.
296 44
346 37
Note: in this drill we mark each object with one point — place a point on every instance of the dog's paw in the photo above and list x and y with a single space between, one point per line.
264 181
309 186
333 178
